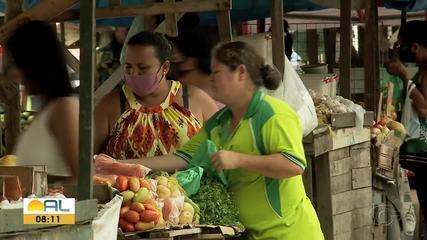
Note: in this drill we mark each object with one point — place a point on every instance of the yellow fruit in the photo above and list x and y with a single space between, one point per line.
127 195
142 195
175 192
393 125
8 160
171 184
185 218
163 192
142 226
161 223
137 207
162 180
134 184
188 207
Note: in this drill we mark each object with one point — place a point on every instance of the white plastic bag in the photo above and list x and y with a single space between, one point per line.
293 92
410 118
172 209
105 224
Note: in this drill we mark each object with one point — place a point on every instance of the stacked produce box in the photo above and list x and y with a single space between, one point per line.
339 174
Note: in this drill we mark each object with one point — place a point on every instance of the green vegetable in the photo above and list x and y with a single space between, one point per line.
215 203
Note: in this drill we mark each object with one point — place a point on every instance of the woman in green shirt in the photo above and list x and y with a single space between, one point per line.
260 148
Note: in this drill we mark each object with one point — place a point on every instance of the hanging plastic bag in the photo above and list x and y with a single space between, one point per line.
202 159
410 118
190 180
106 165
107 217
172 209
293 92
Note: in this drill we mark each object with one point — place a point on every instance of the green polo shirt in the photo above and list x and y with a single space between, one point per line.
269 208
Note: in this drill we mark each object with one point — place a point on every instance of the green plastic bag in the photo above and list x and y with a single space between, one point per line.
190 180
202 158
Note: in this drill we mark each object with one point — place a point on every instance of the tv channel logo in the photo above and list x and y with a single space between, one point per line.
49 210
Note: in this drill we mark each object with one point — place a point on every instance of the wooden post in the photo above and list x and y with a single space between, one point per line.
312 46
371 56
87 77
72 61
12 107
224 26
345 49
278 41
149 20
361 42
62 27
330 47
261 25
403 17
171 23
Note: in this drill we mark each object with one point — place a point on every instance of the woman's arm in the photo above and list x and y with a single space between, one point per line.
106 111
273 166
203 102
64 125
418 96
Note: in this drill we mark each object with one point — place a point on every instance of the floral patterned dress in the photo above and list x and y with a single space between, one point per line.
151 131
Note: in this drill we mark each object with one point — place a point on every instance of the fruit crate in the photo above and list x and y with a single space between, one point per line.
385 161
347 120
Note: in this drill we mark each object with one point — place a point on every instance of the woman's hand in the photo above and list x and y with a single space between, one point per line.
226 160
396 67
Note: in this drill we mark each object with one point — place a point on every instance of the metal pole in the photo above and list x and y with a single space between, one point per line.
87 69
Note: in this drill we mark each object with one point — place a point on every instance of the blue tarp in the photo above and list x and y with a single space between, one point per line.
408 5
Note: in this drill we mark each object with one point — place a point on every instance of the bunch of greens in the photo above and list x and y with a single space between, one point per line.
215 203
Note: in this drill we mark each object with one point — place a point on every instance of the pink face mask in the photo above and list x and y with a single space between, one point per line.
142 85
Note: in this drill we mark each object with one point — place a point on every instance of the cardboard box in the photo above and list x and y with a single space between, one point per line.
33 179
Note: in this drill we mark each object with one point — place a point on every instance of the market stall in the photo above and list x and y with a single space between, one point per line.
338 180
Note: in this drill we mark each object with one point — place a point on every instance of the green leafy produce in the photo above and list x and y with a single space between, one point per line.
215 203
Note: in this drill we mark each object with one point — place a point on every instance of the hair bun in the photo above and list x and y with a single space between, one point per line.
271 77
